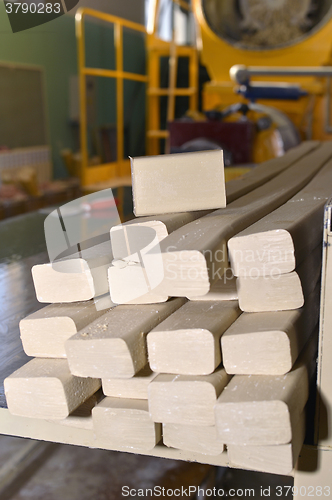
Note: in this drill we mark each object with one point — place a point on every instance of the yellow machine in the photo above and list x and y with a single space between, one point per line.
264 35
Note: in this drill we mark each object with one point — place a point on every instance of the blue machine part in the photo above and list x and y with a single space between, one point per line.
283 91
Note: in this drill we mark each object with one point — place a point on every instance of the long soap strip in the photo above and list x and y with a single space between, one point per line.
188 341
196 255
281 240
45 388
186 399
280 292
125 424
259 409
195 438
268 343
75 278
264 172
114 345
44 332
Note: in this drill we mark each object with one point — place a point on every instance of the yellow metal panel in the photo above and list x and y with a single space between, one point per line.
219 56
94 174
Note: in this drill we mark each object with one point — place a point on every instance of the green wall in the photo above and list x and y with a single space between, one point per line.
53 46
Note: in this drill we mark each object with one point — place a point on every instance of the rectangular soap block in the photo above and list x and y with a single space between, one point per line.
44 332
125 424
195 438
130 388
45 388
186 399
178 182
81 276
188 341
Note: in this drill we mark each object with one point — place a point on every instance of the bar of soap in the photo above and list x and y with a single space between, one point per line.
188 341
178 182
130 388
76 278
268 343
45 332
195 438
129 284
125 424
186 399
45 388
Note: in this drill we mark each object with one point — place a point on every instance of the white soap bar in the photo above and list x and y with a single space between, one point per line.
45 388
125 424
130 388
195 438
186 399
178 182
188 341
45 332
76 278
268 343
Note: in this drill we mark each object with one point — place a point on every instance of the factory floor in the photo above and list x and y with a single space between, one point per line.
63 472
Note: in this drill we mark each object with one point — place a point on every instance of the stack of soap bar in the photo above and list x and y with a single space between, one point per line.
196 255
260 409
279 459
281 292
159 356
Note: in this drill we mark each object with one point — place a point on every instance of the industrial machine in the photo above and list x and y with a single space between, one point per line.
283 48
